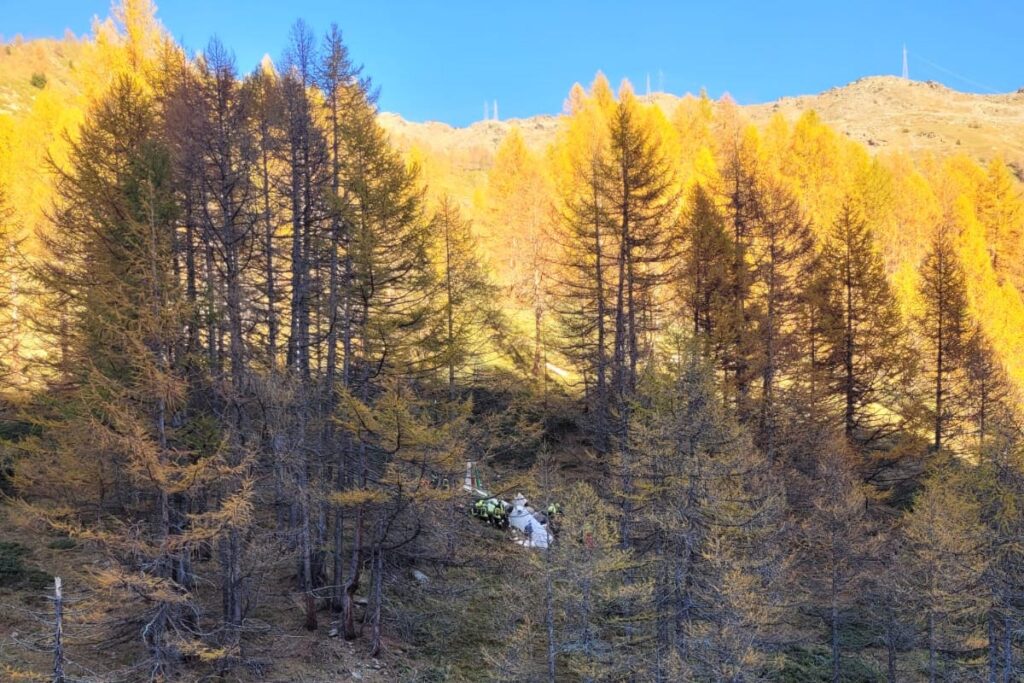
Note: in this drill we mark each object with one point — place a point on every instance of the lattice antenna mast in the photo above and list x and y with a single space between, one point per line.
906 68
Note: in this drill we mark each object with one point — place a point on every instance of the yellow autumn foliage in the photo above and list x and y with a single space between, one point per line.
510 195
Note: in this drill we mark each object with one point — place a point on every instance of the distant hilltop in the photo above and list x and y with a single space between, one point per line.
883 112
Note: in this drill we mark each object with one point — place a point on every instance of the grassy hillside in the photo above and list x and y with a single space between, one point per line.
885 113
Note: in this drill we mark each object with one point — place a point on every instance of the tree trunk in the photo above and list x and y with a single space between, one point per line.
848 347
356 557
993 649
449 303
890 652
378 593
834 628
212 329
268 246
1008 628
932 672
352 584
549 614
601 397
940 348
298 264
58 631
305 546
339 535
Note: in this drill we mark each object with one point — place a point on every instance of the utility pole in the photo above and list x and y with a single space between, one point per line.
495 111
58 634
906 69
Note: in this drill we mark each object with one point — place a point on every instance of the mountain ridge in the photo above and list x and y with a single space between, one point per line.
886 113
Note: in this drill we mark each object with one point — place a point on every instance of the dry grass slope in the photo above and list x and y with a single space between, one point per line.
887 113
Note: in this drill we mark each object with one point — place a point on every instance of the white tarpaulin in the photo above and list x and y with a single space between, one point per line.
532 526
535 534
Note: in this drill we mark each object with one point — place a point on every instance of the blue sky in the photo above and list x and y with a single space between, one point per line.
441 60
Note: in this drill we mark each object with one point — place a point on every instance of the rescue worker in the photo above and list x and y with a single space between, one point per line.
554 509
492 511
480 508
500 515
586 536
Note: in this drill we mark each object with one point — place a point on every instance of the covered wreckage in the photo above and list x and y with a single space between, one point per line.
531 527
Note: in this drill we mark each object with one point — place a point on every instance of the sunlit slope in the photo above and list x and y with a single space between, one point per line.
918 155
886 113
45 86
918 152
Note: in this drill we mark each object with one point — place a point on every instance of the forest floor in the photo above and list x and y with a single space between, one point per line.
278 649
